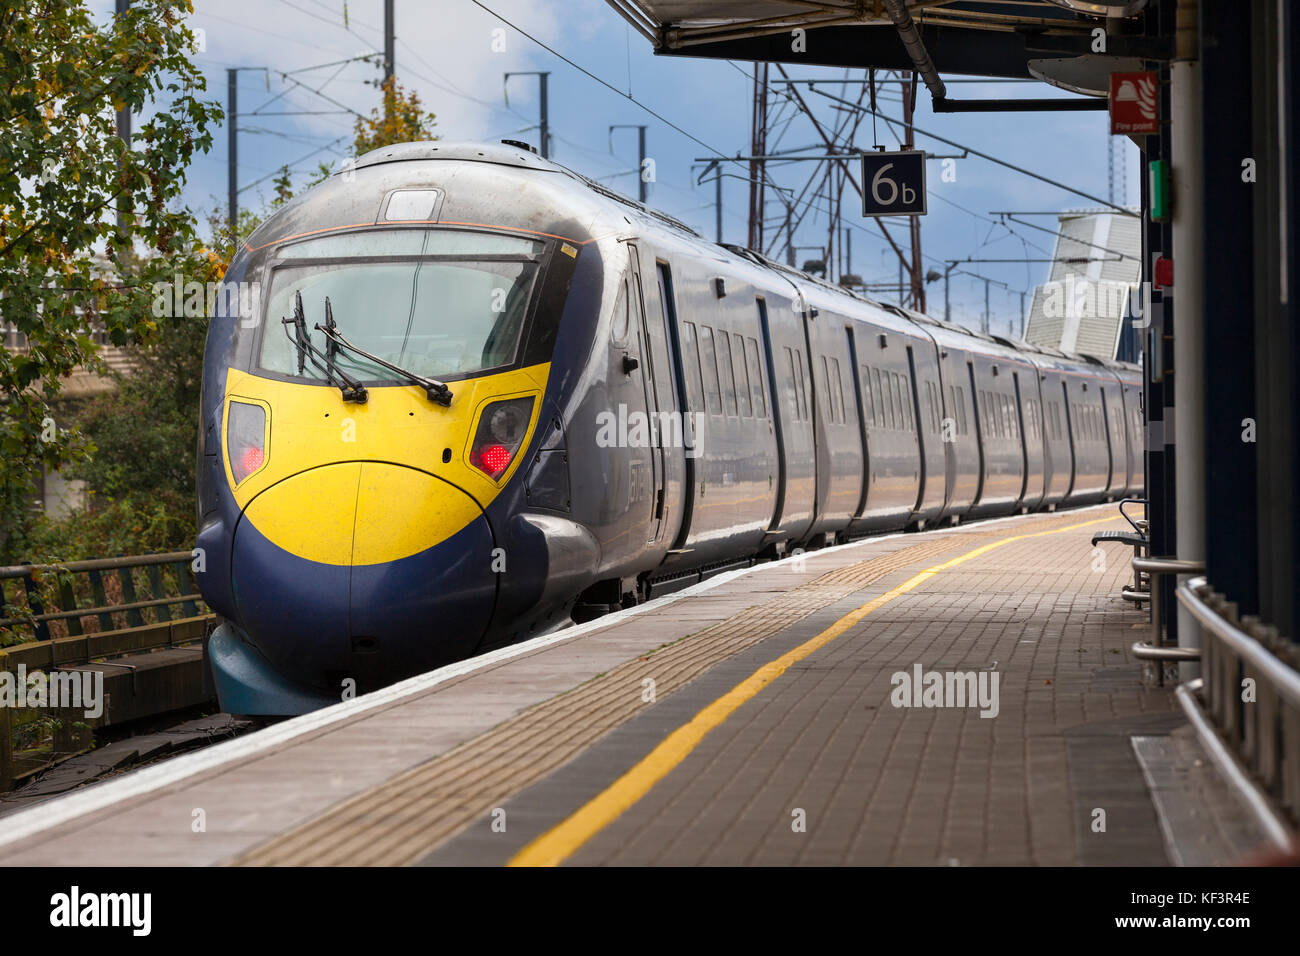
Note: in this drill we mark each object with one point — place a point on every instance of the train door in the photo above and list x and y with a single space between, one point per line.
653 357
805 360
917 416
863 422
976 412
774 403
1070 430
668 315
1024 438
1110 443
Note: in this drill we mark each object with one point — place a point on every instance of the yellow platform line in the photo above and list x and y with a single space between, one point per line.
563 840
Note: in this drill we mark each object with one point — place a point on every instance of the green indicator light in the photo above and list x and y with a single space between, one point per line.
1158 170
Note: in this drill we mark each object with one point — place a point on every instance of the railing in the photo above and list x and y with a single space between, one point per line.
1155 649
1258 721
107 608
88 596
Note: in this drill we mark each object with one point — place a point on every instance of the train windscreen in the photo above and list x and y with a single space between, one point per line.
443 304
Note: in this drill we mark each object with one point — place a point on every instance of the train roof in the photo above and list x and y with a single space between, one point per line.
521 156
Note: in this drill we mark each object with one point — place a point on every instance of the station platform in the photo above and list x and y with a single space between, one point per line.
755 718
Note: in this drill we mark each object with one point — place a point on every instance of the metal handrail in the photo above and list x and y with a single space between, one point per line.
1168 566
1146 651
96 564
106 609
1285 680
1132 501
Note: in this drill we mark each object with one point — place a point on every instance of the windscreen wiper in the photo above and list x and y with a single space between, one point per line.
435 390
353 391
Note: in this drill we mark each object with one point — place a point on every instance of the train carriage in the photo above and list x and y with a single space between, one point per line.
478 396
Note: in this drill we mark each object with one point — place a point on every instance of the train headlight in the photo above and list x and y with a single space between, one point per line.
245 439
501 430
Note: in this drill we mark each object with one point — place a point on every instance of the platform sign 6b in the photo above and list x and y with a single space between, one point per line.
893 184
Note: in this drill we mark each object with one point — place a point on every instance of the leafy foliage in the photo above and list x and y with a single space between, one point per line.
134 447
68 262
400 119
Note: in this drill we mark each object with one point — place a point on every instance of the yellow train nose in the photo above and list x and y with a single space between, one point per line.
360 513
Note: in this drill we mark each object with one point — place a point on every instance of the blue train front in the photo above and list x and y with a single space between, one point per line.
356 524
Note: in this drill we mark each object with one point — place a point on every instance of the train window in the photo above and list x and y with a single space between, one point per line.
828 404
743 389
901 421
881 416
412 242
887 389
868 406
755 377
834 414
728 374
801 386
622 316
837 391
961 409
709 365
794 384
443 317
691 359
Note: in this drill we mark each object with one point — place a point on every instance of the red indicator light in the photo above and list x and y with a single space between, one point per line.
494 459
251 461
1164 273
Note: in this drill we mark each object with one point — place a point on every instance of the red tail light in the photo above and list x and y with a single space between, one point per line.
494 459
501 430
252 461
245 439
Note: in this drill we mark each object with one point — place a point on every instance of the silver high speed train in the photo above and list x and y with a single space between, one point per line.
480 394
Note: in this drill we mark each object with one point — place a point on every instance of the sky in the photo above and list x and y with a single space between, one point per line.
450 53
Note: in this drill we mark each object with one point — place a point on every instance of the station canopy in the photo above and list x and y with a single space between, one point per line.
1051 40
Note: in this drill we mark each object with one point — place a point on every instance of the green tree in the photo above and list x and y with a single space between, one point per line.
67 264
283 185
399 119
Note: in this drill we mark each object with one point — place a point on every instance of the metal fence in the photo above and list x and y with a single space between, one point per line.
61 616
1250 691
102 594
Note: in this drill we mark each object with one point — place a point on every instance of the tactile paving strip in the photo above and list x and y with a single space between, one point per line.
406 818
